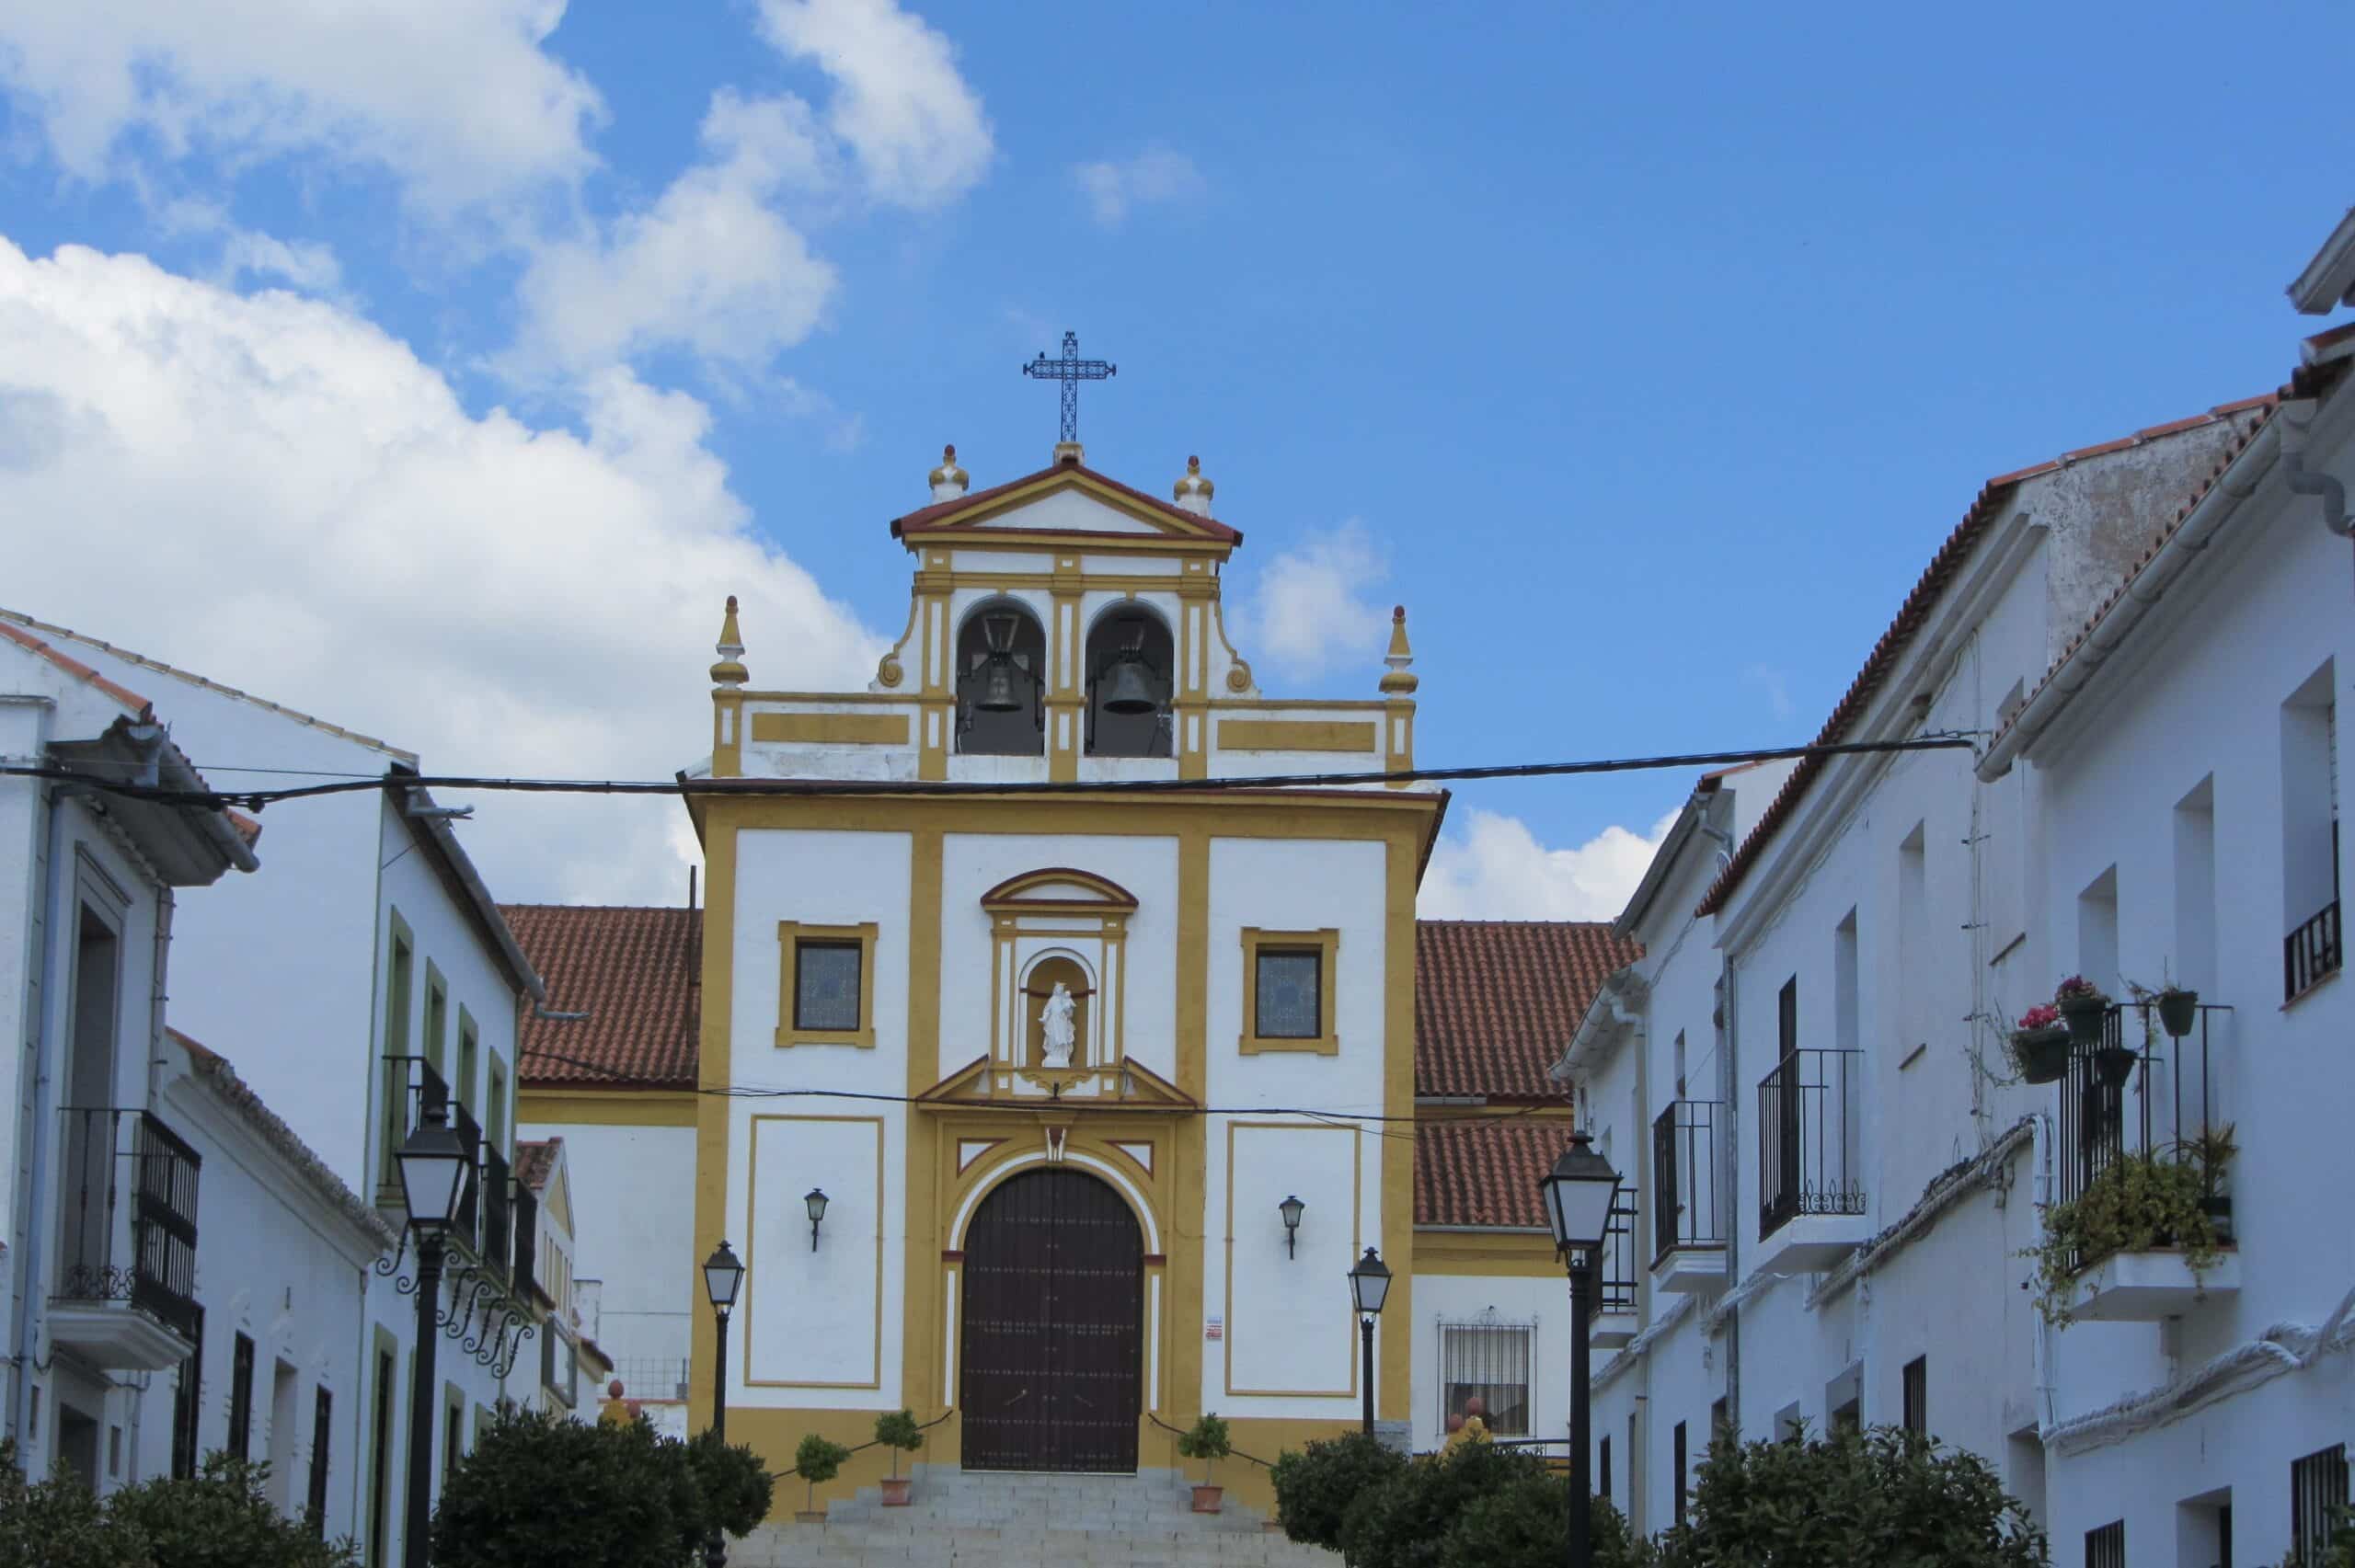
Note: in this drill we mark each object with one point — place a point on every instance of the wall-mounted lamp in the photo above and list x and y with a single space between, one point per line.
1292 1209
815 1201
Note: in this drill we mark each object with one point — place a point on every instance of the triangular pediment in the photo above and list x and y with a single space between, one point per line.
1066 501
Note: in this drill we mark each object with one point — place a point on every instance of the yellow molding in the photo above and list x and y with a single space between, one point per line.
1297 734
1356 1236
1393 1392
584 1106
900 700
1279 705
1327 944
831 729
1504 1256
789 936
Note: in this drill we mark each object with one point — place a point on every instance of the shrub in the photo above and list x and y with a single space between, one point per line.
1525 1524
732 1484
58 1523
899 1431
540 1491
1208 1441
1885 1496
1401 1523
2136 1203
1315 1487
222 1518
817 1459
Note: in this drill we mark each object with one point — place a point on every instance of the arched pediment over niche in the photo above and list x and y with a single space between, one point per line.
1059 889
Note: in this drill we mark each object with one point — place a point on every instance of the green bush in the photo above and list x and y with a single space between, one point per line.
59 1523
1315 1487
2136 1203
733 1483
817 1459
1525 1524
540 1491
1885 1496
1208 1441
222 1518
1403 1522
898 1431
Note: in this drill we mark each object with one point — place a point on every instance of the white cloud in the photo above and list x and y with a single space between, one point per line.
457 99
272 491
1156 174
1309 611
711 266
913 124
1496 869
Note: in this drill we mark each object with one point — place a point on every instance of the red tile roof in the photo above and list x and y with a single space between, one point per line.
1484 1171
632 971
1497 1001
534 1162
1915 614
939 513
130 700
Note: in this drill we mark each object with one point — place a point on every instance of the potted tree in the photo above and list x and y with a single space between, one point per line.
815 1460
2041 1044
2082 1003
1208 1442
899 1433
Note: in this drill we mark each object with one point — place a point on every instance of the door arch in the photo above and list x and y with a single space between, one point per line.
1053 1336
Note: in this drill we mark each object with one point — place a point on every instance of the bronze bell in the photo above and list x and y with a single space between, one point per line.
997 685
1127 690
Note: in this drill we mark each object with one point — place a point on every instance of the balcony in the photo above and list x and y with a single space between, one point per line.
1688 1238
2311 953
2141 1094
494 1229
1810 1194
1614 1324
126 1276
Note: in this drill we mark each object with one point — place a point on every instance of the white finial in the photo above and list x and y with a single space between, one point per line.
1192 491
947 480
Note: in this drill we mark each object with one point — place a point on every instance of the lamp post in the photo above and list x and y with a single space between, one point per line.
433 1167
1369 1286
723 1276
1580 1192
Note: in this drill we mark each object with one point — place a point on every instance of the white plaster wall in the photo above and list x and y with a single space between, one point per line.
1458 1299
632 1186
1291 1339
815 1327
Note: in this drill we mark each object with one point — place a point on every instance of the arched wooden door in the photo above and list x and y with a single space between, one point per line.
1054 1333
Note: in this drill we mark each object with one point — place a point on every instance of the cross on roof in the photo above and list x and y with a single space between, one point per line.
1071 370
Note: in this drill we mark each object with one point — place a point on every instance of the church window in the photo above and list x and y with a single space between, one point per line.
827 991
1130 657
1486 1362
1288 990
1001 682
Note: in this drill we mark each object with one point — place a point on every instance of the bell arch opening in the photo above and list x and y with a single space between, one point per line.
1001 681
1131 666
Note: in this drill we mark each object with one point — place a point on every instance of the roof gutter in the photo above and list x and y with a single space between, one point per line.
2084 665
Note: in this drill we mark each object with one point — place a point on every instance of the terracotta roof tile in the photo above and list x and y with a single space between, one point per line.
76 668
632 971
536 1161
933 516
1484 1171
1497 1001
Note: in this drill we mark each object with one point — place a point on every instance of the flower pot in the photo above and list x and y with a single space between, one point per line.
1206 1498
2042 1055
2115 1064
2178 1010
2085 1016
895 1491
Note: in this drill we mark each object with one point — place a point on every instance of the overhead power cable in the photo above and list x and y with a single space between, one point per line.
683 786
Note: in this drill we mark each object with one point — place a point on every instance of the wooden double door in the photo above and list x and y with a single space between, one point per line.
1053 1332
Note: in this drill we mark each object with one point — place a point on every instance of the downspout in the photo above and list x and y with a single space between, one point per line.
2297 429
31 1303
2046 1419
1729 1184
156 994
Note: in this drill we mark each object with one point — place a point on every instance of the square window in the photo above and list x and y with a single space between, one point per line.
826 985
1289 986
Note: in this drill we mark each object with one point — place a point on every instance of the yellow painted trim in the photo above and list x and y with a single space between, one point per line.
572 1106
714 1071
901 701
961 529
1280 705
920 1277
1327 945
1297 734
1357 1233
752 1229
833 729
1505 1255
789 934
1394 1390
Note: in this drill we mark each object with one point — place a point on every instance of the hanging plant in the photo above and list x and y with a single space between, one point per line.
2082 1003
2178 1010
2139 1202
2041 1044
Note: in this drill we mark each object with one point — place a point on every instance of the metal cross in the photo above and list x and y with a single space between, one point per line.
1071 370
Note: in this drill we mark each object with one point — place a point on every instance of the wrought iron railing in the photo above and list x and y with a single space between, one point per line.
130 1235
2311 953
468 1227
1685 1177
1616 1278
498 1214
525 1257
1809 1162
2141 1093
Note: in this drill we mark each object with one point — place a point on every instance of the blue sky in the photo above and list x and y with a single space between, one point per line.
1645 352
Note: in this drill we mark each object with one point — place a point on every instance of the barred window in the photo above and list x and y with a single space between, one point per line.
241 1397
1917 1396
2318 1490
322 1430
188 1407
826 985
1490 1362
2106 1547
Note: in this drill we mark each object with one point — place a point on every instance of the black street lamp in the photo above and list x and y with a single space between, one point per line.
434 1169
723 1276
1369 1287
1292 1209
1580 1192
814 1200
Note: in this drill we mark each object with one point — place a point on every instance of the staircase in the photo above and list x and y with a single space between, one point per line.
1003 1520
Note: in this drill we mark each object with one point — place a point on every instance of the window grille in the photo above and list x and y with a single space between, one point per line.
1291 991
1488 1361
1680 1471
2318 1489
241 1398
826 985
2106 1547
188 1406
380 1487
1603 1468
1917 1396
322 1429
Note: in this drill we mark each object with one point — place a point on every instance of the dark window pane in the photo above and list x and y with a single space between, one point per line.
241 1397
825 985
1289 1003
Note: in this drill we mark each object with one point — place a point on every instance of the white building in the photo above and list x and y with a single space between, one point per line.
367 971
1807 1079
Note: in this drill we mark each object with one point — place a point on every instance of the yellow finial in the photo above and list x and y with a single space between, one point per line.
1399 681
729 671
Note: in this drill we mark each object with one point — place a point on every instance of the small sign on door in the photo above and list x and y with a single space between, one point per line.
1214 1327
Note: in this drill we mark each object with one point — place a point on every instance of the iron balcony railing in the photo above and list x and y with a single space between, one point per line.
1617 1277
1809 1162
130 1215
2141 1093
496 1218
2311 953
498 1214
1685 1177
524 1258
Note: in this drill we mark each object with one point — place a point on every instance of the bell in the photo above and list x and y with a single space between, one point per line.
997 686
1127 690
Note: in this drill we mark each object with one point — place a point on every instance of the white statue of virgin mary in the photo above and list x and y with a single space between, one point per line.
1055 1021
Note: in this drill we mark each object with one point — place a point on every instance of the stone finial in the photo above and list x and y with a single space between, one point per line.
1192 491
1069 454
1400 681
729 671
948 481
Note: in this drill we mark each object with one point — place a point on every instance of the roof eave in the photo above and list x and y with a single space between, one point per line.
2328 281
434 837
